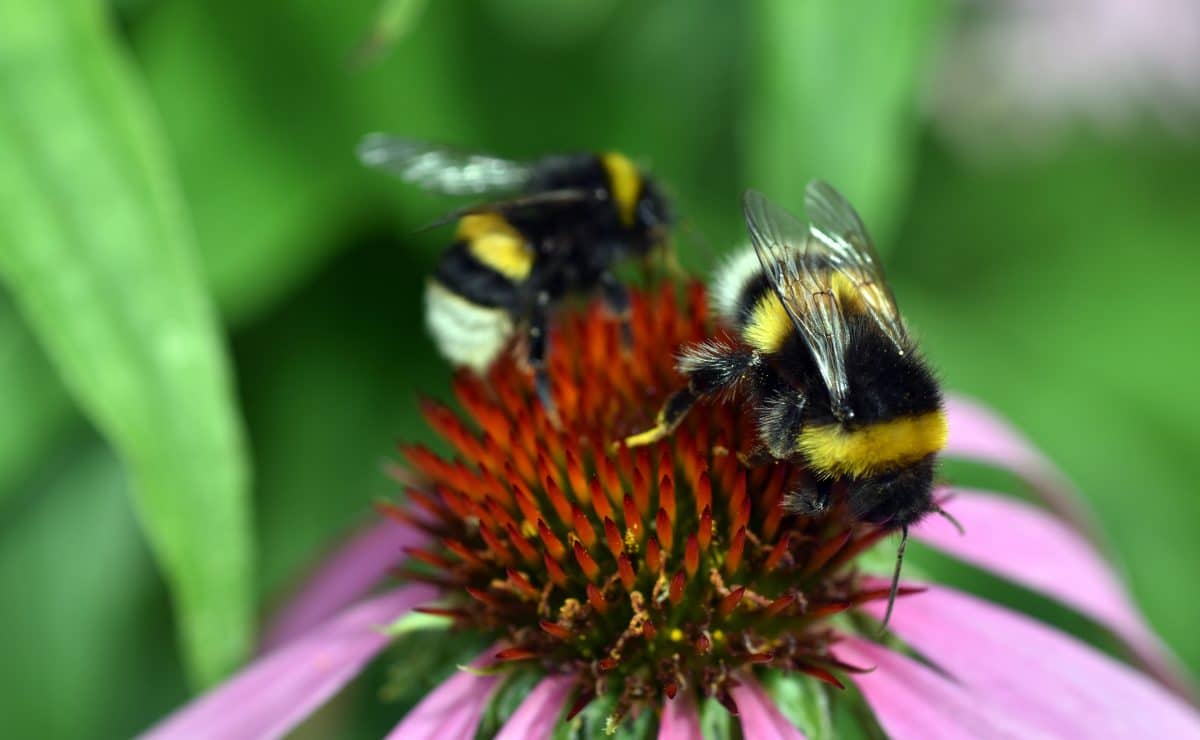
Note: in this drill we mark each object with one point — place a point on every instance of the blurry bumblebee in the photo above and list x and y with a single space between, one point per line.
561 225
836 381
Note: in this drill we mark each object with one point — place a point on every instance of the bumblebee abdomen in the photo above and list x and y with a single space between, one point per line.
743 299
737 276
467 334
476 288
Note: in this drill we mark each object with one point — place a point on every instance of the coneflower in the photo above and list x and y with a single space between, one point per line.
646 584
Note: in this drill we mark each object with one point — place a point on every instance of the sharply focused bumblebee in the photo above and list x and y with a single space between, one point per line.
835 379
566 222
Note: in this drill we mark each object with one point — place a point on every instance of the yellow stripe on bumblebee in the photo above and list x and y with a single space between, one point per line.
496 244
769 325
835 451
625 183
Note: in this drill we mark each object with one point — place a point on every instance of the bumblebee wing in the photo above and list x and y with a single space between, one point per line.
839 236
544 199
442 169
796 268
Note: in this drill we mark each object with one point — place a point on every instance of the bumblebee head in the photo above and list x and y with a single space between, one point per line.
898 498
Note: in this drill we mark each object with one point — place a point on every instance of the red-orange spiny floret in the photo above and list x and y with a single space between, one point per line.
642 572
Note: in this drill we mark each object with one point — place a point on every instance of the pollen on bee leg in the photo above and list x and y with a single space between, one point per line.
650 436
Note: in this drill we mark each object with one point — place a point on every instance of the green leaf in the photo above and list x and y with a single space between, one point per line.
833 96
96 249
84 654
420 659
255 116
36 408
393 20
716 723
595 721
506 700
804 701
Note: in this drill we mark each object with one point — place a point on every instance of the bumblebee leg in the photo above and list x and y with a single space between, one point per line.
780 419
678 404
757 457
710 369
808 500
616 299
538 344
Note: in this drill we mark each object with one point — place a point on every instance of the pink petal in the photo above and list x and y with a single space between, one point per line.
1019 542
277 692
452 710
680 720
537 715
1034 672
976 433
912 701
760 717
352 571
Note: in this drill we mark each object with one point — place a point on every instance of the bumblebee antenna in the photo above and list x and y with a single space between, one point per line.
950 518
887 615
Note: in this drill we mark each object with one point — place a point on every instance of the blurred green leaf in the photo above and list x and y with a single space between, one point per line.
86 650
393 20
1061 291
265 126
505 701
716 723
36 407
804 701
419 661
96 249
833 96
595 721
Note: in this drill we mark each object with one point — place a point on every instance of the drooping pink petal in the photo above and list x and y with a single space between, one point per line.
976 433
680 720
1039 674
912 702
537 715
759 716
1029 547
453 709
359 564
277 692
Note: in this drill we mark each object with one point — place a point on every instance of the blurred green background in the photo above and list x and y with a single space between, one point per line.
210 313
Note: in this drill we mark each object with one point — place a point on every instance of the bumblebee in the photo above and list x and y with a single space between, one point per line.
561 226
835 380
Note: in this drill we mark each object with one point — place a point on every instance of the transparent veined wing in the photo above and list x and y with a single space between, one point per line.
803 284
543 199
443 169
840 237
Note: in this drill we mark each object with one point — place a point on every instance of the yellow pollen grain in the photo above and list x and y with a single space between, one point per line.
833 450
631 543
676 635
528 528
718 636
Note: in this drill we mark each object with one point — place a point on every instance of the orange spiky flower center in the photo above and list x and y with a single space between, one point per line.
645 572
